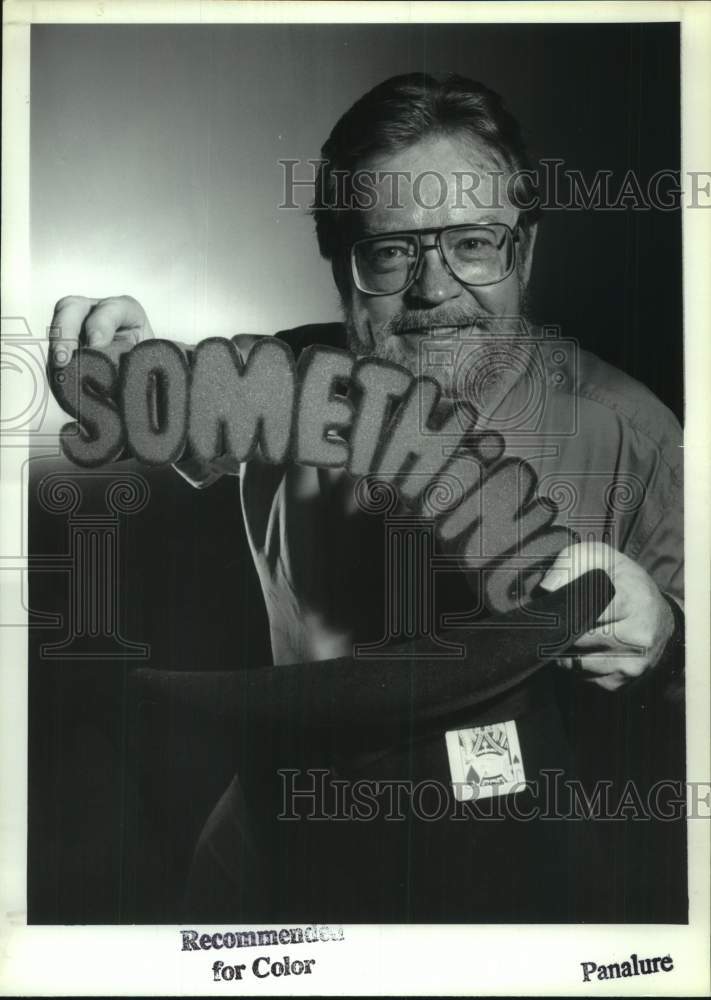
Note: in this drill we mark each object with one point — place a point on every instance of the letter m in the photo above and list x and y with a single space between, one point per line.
590 806
582 196
236 405
267 937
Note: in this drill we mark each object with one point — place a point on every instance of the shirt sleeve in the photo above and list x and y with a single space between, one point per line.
657 539
661 553
619 480
203 474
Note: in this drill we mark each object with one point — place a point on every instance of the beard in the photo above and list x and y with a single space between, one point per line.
473 357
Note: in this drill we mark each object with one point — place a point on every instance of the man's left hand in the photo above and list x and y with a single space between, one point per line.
630 635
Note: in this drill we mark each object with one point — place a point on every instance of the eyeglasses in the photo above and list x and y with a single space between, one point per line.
474 255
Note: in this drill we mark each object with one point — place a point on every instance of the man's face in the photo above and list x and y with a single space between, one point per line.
436 313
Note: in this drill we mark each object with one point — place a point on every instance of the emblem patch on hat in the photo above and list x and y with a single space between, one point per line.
485 761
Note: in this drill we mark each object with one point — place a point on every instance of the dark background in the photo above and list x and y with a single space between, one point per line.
155 169
118 789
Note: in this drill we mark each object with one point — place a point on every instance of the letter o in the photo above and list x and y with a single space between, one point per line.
228 940
441 809
417 189
278 969
490 446
297 967
155 369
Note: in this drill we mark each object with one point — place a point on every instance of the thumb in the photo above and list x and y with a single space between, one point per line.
562 572
574 560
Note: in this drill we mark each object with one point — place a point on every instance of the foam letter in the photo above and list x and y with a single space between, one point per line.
320 410
381 383
417 452
154 378
83 389
235 406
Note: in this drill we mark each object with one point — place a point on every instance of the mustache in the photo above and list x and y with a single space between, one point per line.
422 320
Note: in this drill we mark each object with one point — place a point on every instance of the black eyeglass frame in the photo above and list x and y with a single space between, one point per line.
437 231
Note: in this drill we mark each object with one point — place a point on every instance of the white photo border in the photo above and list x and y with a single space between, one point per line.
504 960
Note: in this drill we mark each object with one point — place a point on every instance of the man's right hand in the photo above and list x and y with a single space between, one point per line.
112 326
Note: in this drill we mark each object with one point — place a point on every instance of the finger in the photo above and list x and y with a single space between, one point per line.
596 664
122 316
596 639
574 560
604 662
617 611
65 328
609 672
610 626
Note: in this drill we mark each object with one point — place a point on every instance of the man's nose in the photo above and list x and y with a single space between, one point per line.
434 282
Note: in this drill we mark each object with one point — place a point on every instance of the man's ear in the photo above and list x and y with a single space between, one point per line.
527 255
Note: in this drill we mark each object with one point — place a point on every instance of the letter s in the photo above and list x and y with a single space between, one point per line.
97 436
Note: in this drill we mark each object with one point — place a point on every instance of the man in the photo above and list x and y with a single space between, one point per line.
431 236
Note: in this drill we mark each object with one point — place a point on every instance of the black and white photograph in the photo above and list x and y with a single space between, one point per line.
354 416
